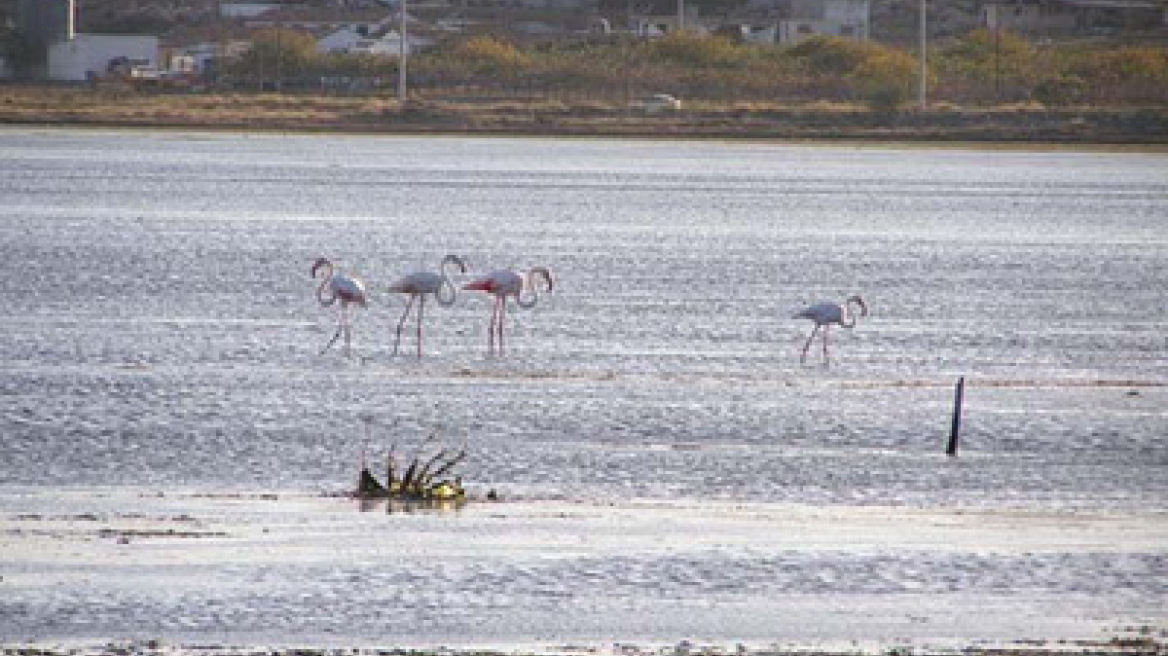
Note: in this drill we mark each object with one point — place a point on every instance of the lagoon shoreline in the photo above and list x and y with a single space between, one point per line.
42 106
1135 645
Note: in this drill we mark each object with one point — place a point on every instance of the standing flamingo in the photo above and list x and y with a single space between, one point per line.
504 283
420 283
339 286
825 314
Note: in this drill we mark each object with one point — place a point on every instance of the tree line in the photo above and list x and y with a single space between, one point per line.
979 68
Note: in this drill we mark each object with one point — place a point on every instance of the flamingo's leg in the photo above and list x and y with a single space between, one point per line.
826 356
345 320
807 346
332 341
402 322
337 334
502 320
421 310
491 328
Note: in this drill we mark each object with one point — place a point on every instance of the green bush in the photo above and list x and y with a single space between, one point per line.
697 51
884 80
832 55
492 56
1061 90
291 52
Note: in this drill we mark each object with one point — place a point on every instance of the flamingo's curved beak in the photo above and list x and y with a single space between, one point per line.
320 261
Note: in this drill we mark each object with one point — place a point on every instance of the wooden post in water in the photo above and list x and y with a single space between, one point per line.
959 394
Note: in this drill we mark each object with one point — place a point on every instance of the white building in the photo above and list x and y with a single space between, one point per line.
660 25
206 55
245 9
88 55
351 40
843 18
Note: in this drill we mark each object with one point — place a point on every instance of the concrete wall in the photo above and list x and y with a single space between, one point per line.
43 22
853 12
86 54
245 9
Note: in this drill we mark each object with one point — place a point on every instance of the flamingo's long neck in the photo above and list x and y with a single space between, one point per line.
447 287
324 283
529 282
528 285
848 320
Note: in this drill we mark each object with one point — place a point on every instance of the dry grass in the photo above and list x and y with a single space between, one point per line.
111 105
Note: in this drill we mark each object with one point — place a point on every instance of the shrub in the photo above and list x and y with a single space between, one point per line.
1061 90
1132 73
825 54
697 51
884 80
290 51
492 56
981 48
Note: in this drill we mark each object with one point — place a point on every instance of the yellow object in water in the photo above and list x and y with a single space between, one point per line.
445 491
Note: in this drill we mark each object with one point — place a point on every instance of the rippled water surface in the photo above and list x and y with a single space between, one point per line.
668 467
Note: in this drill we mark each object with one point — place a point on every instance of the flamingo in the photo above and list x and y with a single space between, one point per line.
503 283
347 289
825 314
420 283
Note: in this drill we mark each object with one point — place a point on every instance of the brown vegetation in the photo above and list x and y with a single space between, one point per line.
426 114
978 69
983 86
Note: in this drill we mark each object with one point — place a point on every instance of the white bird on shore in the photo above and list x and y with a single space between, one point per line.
420 283
825 314
503 283
345 288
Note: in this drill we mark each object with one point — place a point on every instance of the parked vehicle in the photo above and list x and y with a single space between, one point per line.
658 104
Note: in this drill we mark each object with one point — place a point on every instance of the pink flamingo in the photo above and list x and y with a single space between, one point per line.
825 314
420 283
347 289
504 283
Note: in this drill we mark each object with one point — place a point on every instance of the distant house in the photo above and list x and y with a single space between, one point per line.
345 39
207 56
750 32
653 25
86 56
356 41
849 19
525 4
245 9
320 21
1062 17
537 28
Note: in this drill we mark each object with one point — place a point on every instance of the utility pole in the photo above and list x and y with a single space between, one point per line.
922 92
402 54
992 14
279 57
680 15
955 429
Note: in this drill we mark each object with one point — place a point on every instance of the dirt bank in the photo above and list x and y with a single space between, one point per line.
31 105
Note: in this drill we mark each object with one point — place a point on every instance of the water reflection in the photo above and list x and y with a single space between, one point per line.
411 506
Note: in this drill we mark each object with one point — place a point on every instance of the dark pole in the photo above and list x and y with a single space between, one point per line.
956 428
279 64
403 54
997 57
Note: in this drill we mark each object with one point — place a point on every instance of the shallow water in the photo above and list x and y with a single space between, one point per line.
161 336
